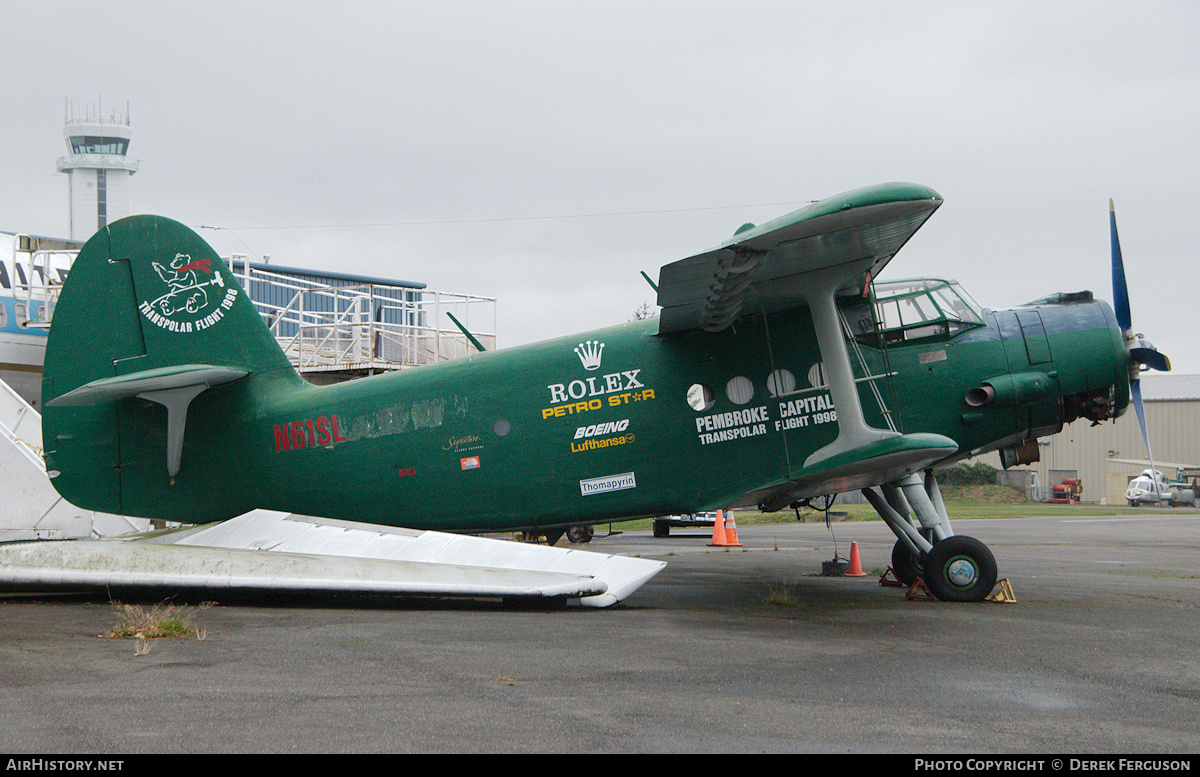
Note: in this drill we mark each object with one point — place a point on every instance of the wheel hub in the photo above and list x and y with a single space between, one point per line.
961 573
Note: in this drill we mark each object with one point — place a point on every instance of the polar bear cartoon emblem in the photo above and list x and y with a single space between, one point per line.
187 289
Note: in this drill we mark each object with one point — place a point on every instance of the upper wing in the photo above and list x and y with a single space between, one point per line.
854 234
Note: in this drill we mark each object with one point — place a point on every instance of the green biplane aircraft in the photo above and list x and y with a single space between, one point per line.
779 370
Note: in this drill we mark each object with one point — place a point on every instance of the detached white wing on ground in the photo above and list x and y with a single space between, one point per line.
265 550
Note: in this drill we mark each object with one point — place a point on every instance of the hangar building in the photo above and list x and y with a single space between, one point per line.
1172 417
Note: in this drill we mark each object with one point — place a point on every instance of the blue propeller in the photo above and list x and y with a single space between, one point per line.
1142 354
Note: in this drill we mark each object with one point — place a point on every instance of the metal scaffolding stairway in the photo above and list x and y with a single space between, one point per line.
30 508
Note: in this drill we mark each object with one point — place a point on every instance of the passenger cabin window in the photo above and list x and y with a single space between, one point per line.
700 397
917 309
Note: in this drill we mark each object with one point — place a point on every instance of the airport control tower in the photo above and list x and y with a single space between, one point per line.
97 168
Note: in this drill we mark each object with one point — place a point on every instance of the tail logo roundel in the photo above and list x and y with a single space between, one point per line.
192 298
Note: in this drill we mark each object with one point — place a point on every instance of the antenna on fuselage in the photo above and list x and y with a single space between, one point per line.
463 329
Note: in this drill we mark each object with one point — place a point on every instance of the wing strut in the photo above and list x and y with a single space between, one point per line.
853 431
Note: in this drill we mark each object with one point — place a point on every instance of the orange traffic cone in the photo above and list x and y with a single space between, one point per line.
731 531
722 536
855 569
718 537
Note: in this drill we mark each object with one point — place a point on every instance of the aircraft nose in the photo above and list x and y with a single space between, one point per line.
1075 340
1089 352
1055 328
1070 315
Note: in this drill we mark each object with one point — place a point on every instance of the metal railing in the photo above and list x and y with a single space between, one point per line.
368 326
39 267
20 425
321 328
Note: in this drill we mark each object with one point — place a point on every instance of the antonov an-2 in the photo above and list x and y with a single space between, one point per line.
779 370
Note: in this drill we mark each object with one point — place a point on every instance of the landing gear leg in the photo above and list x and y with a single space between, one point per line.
956 568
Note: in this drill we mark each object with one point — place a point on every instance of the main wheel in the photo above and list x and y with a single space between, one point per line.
960 569
662 529
906 566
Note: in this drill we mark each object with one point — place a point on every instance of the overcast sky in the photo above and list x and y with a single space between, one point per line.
545 152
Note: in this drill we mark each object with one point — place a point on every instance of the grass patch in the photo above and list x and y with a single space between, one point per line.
962 502
162 621
780 594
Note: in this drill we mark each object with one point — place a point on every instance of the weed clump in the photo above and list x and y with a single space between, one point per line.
162 621
780 594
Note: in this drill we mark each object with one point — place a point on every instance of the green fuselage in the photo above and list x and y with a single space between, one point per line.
568 432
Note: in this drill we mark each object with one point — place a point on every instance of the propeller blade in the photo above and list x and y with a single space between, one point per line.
1151 358
1120 290
1140 352
1135 395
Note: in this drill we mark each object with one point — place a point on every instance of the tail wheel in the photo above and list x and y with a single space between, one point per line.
578 534
960 569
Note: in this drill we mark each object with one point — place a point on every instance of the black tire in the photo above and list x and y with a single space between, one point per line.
960 569
578 534
906 566
661 528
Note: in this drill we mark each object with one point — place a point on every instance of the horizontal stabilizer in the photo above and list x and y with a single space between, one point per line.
172 387
162 379
265 550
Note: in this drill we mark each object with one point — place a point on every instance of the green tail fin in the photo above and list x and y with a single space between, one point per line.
151 329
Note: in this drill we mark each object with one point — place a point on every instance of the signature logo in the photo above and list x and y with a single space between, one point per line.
193 300
461 443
